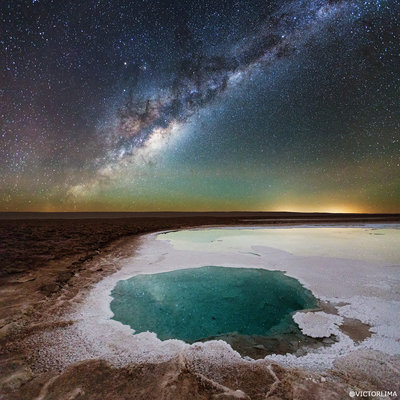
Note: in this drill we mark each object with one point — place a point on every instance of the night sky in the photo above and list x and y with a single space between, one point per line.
140 105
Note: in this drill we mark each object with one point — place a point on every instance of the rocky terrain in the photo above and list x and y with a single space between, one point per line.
48 265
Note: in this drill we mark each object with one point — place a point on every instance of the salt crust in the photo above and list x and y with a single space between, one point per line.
318 324
341 281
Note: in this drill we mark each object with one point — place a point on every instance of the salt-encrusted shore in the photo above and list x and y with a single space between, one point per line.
356 269
68 347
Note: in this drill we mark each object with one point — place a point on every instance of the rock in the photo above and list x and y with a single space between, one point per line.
15 373
64 277
8 329
23 279
49 289
17 379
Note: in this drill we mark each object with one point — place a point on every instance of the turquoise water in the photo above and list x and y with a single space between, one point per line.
198 303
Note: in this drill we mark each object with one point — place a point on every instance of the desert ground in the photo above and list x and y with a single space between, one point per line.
49 264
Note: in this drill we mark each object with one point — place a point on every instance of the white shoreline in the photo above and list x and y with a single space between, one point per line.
370 291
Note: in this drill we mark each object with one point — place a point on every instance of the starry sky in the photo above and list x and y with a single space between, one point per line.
165 105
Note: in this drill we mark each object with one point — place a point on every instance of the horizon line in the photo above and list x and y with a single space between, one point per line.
200 212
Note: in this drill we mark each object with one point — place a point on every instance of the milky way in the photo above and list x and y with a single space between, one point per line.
196 105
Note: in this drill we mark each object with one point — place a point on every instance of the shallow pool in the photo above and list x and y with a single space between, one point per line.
199 303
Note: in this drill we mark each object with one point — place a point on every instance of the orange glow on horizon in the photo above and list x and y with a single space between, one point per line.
334 209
